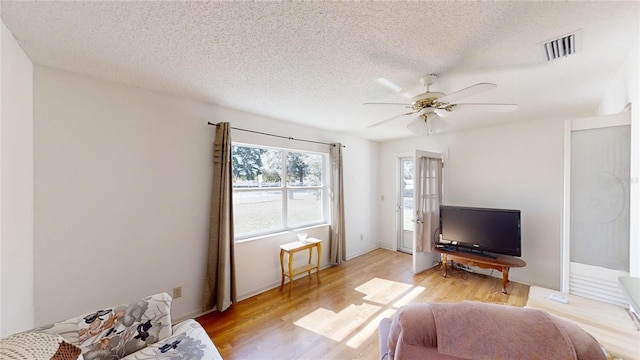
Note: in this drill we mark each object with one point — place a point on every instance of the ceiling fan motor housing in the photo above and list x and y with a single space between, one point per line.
425 100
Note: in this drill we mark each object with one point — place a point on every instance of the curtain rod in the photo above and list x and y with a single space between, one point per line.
278 136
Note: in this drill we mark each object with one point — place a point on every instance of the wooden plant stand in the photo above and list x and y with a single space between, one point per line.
294 247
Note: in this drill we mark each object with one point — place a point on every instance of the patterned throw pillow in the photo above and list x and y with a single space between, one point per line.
189 341
38 346
68 329
122 330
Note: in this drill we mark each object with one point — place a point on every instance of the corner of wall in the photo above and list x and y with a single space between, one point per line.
2 26
16 187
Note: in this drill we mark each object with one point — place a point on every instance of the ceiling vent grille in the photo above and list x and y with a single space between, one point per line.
562 47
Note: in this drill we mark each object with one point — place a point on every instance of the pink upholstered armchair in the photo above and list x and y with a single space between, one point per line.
473 330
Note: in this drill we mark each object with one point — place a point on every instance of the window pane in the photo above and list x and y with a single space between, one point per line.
407 213
304 207
407 194
260 191
304 169
256 167
256 211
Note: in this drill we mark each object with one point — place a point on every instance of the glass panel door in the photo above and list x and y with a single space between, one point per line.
597 252
405 205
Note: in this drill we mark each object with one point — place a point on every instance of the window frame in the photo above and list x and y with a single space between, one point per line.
284 188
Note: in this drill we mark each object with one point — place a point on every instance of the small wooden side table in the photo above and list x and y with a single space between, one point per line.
294 247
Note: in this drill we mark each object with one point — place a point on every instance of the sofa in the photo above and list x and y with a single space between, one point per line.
474 330
136 331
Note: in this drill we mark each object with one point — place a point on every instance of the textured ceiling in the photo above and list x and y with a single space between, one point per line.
315 63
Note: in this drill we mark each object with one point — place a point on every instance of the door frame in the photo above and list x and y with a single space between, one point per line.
602 121
398 195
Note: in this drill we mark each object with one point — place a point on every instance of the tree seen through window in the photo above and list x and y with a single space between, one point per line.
263 203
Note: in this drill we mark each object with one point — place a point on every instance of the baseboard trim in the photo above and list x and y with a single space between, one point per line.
191 315
362 252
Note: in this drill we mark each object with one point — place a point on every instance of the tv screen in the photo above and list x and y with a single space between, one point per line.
480 229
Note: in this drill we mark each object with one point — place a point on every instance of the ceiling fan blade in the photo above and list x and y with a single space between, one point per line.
389 84
392 118
471 90
408 106
484 107
442 112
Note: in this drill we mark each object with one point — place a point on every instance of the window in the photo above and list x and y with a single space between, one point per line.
263 202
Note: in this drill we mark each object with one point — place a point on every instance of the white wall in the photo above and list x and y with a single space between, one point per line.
361 187
513 166
122 195
2 52
622 91
16 187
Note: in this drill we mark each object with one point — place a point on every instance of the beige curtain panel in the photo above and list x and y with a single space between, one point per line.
220 282
429 187
337 244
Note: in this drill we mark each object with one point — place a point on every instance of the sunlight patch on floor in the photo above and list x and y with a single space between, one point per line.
414 293
382 291
370 329
381 299
337 326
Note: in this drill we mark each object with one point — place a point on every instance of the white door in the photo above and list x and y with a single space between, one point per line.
597 217
405 205
424 190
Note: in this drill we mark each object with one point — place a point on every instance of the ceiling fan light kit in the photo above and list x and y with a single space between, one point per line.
418 126
427 122
431 105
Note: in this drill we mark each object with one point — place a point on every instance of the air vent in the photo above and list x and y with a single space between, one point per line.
562 47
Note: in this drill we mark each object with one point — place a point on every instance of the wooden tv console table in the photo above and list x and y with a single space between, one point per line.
501 263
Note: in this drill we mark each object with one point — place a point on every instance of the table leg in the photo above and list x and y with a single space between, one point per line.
282 269
309 262
319 247
290 272
505 279
444 265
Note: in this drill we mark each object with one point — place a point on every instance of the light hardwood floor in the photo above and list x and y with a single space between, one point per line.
338 318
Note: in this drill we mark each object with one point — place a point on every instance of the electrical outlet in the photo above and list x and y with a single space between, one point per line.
177 292
361 237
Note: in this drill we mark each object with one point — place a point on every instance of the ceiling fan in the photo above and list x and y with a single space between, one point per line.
431 105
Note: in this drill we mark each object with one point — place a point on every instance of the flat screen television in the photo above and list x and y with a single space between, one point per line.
480 230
